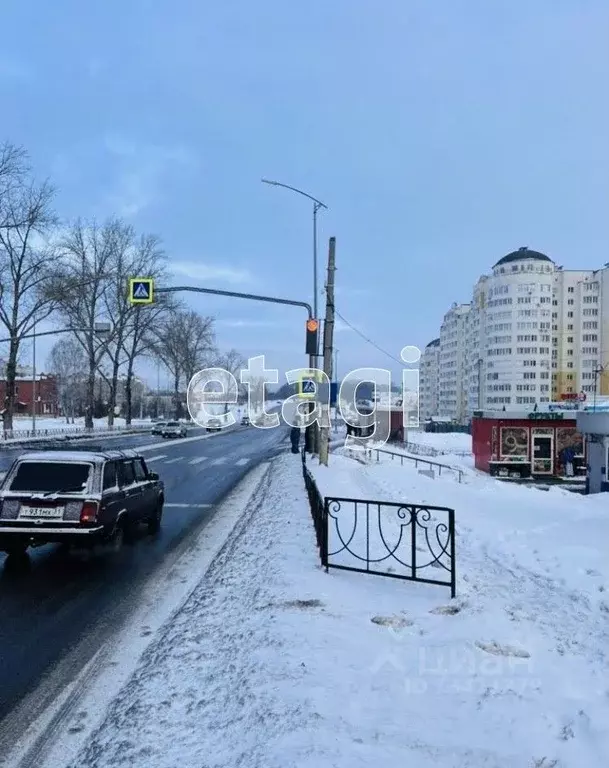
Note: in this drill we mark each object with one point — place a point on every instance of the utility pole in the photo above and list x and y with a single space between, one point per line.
328 343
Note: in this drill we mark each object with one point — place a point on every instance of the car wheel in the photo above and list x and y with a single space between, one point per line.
154 523
117 539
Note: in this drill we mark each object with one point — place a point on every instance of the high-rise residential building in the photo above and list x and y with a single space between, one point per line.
428 380
517 353
452 399
476 331
533 333
575 332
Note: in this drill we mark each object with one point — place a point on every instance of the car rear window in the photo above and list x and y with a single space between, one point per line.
173 423
51 477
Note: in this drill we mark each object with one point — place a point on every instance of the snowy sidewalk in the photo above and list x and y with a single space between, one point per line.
272 663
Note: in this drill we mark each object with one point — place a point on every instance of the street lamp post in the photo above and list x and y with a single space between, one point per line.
313 431
317 204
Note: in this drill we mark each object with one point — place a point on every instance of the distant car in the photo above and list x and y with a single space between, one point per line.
157 429
78 498
173 429
245 421
214 425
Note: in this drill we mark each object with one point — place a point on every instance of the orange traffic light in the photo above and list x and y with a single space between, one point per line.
312 336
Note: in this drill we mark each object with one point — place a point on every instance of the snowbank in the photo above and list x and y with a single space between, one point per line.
273 663
441 441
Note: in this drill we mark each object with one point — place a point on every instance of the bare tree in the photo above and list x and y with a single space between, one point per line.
26 262
184 343
68 363
117 309
232 362
79 289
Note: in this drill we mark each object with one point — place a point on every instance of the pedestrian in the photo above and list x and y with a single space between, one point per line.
295 438
568 456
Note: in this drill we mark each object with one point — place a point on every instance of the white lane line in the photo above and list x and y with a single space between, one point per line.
221 460
190 506
173 461
241 462
198 460
156 458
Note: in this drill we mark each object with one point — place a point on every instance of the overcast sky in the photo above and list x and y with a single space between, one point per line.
441 136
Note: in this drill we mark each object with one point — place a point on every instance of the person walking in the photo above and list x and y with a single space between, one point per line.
568 457
295 438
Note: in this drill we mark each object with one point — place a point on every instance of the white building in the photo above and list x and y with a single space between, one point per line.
517 353
452 399
533 333
476 334
428 380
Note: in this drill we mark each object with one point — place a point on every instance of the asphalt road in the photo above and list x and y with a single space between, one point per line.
61 599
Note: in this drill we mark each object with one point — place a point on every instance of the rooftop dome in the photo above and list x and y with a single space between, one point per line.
434 343
523 253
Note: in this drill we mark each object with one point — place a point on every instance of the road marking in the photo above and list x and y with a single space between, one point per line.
198 460
156 458
221 460
173 461
190 506
241 462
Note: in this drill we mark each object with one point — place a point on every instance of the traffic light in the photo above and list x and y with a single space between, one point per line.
312 336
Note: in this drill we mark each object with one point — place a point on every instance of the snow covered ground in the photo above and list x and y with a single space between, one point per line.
441 441
272 663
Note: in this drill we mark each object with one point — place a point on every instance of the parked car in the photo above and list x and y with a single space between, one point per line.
245 421
79 498
157 429
214 425
173 429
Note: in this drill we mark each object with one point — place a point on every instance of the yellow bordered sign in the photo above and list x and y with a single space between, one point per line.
141 290
307 388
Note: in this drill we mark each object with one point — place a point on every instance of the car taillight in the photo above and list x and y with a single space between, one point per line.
88 513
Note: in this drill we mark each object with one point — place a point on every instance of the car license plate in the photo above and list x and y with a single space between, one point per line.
46 513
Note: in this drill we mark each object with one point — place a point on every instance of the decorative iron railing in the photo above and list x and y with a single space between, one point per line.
413 542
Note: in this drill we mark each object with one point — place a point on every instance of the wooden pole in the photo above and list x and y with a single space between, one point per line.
328 349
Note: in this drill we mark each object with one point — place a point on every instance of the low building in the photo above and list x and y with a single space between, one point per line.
521 444
45 392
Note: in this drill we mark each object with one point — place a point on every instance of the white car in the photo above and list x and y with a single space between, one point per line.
173 429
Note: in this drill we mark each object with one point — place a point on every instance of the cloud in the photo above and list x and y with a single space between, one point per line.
205 273
143 171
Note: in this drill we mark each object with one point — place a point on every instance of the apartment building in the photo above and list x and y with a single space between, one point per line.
452 398
576 324
429 366
476 334
533 333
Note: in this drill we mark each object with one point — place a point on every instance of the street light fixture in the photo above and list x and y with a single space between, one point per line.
317 204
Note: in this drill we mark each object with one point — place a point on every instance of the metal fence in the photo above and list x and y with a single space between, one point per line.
402 457
427 450
413 542
316 503
28 434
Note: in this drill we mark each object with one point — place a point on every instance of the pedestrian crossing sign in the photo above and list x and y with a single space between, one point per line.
141 290
307 386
